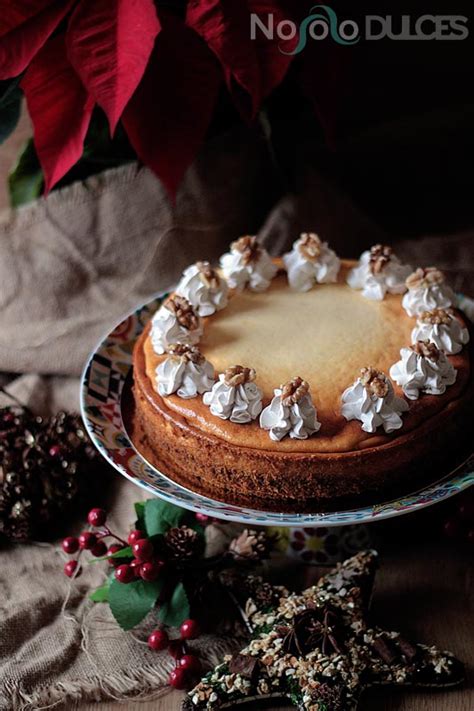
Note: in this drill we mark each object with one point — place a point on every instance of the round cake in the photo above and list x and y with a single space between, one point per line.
304 383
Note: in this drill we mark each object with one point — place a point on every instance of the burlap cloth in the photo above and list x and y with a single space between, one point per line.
70 267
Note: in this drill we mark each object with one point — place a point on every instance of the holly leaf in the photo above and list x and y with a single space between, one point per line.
25 180
109 43
60 110
161 516
174 611
21 43
140 512
168 116
130 603
100 594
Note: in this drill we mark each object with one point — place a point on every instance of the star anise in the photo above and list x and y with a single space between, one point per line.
312 628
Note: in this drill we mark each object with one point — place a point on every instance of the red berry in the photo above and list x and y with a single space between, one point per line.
8 417
158 640
71 567
178 678
70 545
99 549
451 528
124 573
150 570
114 548
143 549
202 518
176 648
190 663
97 517
136 565
189 629
135 536
87 540
55 450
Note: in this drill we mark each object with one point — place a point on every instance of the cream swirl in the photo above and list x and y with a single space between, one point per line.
291 412
310 262
248 263
235 396
185 372
175 322
371 399
205 290
379 272
442 328
427 290
423 368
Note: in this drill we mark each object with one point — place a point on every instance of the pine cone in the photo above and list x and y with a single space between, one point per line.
45 464
181 542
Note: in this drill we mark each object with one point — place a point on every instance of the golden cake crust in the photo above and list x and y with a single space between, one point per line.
241 464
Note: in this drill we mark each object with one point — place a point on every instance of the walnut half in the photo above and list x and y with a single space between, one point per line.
184 352
423 278
248 247
427 350
184 312
239 375
293 390
374 381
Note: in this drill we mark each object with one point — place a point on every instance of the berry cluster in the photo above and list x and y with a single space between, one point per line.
90 541
188 666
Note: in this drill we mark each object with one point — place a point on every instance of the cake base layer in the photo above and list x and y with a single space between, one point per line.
304 482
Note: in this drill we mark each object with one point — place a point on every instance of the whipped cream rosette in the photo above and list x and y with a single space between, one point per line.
185 372
379 272
248 264
423 368
291 412
175 322
311 261
441 327
371 399
205 290
427 290
235 396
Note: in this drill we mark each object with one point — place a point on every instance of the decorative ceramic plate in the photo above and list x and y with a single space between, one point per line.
102 385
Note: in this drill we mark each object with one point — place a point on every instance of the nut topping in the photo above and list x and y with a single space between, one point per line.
293 391
310 246
248 247
427 349
380 255
436 316
374 382
183 352
184 312
209 276
239 375
423 278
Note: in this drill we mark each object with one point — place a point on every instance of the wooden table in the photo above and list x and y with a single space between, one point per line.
425 590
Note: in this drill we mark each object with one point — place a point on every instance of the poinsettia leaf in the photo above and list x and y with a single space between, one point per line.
25 180
130 603
167 117
60 110
140 513
274 54
15 13
225 27
161 515
20 44
109 43
174 611
10 113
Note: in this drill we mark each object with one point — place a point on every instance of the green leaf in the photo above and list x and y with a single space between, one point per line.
10 107
131 602
140 512
160 516
25 181
100 594
174 611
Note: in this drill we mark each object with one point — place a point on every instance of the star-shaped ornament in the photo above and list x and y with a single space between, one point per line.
318 649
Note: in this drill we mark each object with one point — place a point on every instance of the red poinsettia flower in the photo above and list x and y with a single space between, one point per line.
156 72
